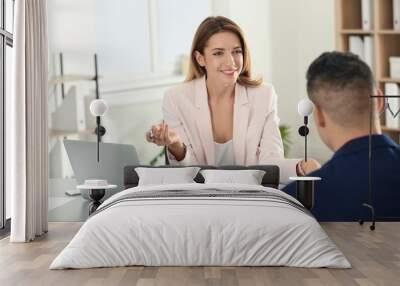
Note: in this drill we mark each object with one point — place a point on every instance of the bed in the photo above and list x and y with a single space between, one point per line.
201 224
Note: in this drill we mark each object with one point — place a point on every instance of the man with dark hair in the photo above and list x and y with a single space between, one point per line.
339 85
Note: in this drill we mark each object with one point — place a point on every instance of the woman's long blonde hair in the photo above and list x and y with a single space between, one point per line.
209 27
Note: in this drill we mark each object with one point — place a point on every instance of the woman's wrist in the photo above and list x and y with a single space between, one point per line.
299 169
178 150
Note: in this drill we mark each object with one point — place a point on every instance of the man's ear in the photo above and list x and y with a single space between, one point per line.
319 116
199 58
380 101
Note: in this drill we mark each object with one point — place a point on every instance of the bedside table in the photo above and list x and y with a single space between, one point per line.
96 195
305 187
97 189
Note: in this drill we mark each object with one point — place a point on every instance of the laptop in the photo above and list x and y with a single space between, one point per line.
113 158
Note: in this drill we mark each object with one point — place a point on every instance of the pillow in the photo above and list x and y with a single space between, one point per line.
248 177
163 176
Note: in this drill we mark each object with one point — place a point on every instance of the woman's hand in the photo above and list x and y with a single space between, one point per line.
161 135
304 168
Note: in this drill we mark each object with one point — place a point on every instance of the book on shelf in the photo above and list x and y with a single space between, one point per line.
366 14
392 111
356 46
369 51
364 48
396 14
394 67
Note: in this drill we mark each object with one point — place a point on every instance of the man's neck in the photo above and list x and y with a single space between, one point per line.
344 136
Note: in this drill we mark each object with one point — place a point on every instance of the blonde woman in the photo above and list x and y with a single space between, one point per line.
221 115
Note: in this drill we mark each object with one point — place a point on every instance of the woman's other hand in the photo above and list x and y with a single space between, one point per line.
305 168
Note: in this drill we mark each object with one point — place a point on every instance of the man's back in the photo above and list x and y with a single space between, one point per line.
344 185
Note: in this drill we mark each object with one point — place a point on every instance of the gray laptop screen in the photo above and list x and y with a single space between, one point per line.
113 159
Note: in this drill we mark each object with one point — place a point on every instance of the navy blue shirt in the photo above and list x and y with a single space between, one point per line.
344 185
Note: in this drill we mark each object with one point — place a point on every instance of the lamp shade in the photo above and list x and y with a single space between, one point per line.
305 107
98 107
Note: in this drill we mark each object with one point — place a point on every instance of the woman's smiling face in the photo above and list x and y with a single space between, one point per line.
222 58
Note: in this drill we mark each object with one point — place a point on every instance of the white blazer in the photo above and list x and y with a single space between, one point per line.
256 137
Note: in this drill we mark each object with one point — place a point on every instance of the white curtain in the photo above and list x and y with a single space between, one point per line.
27 123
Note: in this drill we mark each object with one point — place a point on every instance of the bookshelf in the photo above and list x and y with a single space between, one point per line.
385 39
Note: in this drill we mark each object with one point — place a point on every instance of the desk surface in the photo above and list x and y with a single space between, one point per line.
63 207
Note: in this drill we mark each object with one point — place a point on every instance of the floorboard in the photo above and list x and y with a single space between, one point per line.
374 255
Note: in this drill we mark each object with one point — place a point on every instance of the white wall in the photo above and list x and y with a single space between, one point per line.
127 35
122 39
253 16
71 30
300 31
176 22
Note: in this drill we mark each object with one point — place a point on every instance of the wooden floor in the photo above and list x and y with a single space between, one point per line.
375 257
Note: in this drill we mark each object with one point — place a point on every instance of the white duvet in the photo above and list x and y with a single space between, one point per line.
200 231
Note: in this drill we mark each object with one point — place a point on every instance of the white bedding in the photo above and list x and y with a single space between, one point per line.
200 231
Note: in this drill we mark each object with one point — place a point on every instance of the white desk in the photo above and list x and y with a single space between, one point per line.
63 207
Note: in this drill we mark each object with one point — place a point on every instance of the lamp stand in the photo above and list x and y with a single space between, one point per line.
369 204
99 131
305 185
303 131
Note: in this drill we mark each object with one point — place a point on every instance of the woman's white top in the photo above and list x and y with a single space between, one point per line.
224 153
